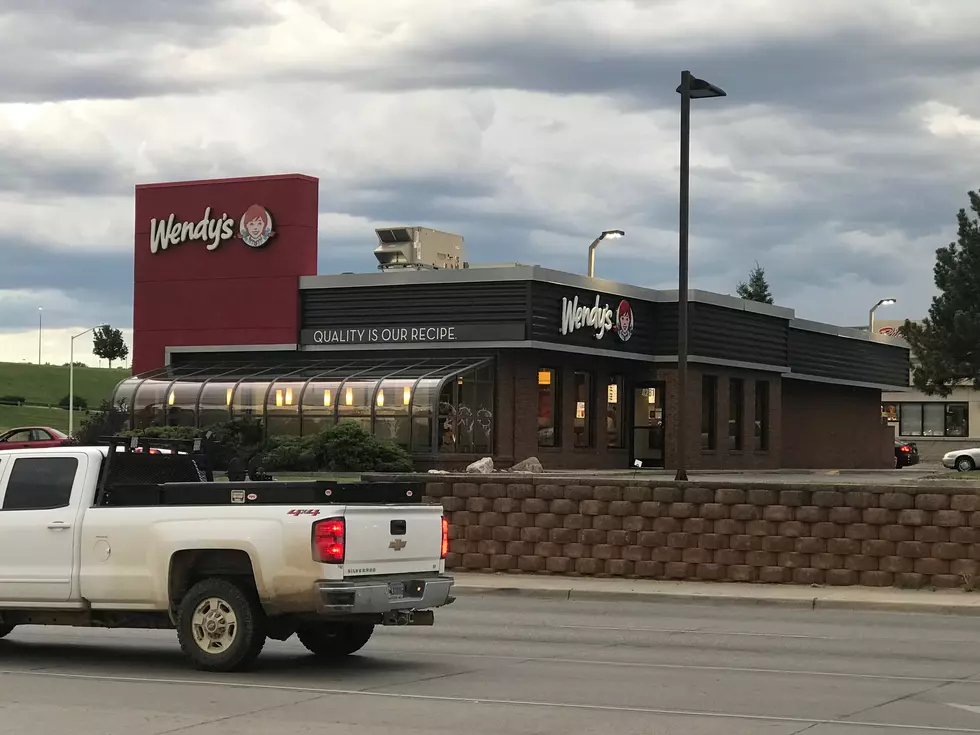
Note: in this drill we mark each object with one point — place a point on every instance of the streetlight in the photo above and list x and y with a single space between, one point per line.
871 314
690 88
40 312
607 235
71 376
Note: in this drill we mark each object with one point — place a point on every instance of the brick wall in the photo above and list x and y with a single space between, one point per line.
777 533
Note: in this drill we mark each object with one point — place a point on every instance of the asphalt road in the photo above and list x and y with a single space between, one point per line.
514 666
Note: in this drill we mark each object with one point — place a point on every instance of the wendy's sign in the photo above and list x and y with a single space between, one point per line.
254 229
598 316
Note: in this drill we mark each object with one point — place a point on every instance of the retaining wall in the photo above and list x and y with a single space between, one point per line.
871 535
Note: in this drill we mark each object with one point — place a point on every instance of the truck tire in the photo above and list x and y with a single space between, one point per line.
5 630
221 627
335 640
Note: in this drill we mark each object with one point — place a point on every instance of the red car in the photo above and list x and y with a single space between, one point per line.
31 437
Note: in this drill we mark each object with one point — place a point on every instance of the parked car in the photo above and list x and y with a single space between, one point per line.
138 540
31 437
906 453
964 460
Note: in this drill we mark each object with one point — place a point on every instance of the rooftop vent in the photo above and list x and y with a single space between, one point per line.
418 248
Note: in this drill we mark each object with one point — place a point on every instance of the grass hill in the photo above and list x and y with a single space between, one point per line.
43 386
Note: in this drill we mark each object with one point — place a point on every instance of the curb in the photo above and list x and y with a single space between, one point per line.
814 603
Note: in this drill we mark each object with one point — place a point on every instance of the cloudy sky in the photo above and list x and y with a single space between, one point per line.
847 143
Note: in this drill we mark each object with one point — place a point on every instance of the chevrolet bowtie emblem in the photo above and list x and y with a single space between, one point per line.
398 544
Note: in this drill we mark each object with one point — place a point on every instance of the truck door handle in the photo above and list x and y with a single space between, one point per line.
58 525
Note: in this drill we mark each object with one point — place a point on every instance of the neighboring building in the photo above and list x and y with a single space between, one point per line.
936 424
457 362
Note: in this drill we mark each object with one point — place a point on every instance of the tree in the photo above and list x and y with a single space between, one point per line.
108 344
757 289
946 344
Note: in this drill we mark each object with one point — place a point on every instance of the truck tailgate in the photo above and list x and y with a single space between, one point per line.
392 540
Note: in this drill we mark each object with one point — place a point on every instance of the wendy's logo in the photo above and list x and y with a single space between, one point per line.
624 320
255 227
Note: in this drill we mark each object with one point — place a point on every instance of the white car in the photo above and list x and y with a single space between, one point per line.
98 538
964 460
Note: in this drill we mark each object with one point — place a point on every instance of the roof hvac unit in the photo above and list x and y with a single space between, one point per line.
419 248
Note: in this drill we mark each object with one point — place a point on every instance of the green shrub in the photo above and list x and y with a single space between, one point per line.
80 403
349 448
289 454
107 421
13 400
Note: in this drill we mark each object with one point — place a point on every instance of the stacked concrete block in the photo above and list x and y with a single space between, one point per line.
780 534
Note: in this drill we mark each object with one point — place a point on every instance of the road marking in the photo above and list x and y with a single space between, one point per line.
488 701
968 707
692 631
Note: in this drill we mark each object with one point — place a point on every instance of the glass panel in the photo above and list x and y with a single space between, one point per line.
124 393
648 426
182 404
933 419
549 434
423 403
889 411
355 403
249 400
319 402
709 405
910 419
761 415
736 394
957 419
391 421
215 403
583 410
151 404
282 409
466 413
614 413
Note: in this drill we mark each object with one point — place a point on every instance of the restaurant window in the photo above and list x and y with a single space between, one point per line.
548 424
934 419
736 395
709 407
889 412
761 415
615 416
466 413
583 409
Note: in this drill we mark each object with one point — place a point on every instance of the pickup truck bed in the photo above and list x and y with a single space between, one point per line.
95 536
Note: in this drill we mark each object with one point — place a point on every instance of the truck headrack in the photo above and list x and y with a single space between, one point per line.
134 475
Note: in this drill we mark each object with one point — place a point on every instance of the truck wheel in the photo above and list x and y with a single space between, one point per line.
220 626
5 630
335 640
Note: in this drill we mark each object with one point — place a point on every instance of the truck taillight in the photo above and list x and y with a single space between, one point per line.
329 537
445 537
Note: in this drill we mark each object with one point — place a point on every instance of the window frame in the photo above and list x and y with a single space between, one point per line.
555 386
709 387
736 414
617 440
589 419
27 460
916 411
761 425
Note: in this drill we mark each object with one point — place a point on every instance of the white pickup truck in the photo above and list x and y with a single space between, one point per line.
125 539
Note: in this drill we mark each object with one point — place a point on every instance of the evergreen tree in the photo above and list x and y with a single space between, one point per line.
757 289
946 344
108 343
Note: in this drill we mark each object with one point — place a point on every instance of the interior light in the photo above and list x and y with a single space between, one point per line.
228 397
349 397
171 398
407 395
544 377
381 397
279 398
326 397
612 393
289 396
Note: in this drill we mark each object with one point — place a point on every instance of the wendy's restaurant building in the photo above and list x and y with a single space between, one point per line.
456 361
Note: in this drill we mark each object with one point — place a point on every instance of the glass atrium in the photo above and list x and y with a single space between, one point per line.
428 406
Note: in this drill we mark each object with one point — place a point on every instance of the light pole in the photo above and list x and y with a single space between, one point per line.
71 376
871 315
607 235
40 312
690 88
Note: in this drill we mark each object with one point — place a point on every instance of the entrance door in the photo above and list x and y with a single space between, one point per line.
648 424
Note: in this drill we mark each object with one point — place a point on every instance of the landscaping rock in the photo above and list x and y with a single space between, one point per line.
481 467
531 464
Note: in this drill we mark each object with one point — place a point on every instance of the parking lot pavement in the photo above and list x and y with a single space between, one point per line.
523 666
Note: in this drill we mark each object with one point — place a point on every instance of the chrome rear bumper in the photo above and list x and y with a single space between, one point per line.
374 595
